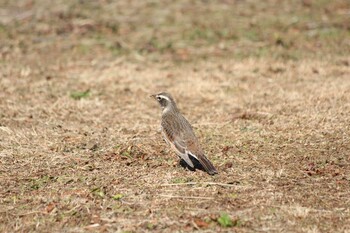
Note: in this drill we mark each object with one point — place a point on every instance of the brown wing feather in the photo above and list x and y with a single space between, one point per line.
182 137
194 148
176 144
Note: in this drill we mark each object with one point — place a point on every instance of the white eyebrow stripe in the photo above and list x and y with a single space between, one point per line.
164 97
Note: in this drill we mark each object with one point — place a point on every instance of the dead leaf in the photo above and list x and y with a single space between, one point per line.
200 223
50 207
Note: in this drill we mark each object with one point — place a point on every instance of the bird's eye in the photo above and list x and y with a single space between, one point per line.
158 98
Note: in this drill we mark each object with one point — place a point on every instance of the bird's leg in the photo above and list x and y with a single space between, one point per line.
183 164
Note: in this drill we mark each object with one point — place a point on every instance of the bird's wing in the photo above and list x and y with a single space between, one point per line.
182 139
177 144
195 151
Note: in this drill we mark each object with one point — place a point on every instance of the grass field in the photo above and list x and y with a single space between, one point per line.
266 85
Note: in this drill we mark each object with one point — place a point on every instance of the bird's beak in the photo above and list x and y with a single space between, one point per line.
153 96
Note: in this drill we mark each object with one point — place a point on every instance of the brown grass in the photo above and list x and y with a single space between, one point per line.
276 126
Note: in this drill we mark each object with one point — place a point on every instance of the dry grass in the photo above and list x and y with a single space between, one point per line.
276 127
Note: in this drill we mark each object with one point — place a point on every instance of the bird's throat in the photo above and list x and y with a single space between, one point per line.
166 109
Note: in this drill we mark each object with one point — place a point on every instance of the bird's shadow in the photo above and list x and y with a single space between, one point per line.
195 162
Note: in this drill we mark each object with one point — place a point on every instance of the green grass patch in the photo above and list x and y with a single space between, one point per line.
77 95
117 196
225 220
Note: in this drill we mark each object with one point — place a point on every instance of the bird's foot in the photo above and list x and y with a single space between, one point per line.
183 164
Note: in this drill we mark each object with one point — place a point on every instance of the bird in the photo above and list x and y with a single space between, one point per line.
179 134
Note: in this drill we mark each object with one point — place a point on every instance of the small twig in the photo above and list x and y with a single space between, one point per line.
32 212
310 209
186 197
126 202
212 123
199 183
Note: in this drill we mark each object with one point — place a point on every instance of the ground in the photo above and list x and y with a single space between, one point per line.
266 85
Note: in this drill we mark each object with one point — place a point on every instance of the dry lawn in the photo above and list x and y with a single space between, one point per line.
80 149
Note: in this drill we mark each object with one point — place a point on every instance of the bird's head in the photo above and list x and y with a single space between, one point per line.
165 101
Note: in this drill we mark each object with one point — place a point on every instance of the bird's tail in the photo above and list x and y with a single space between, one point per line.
207 165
